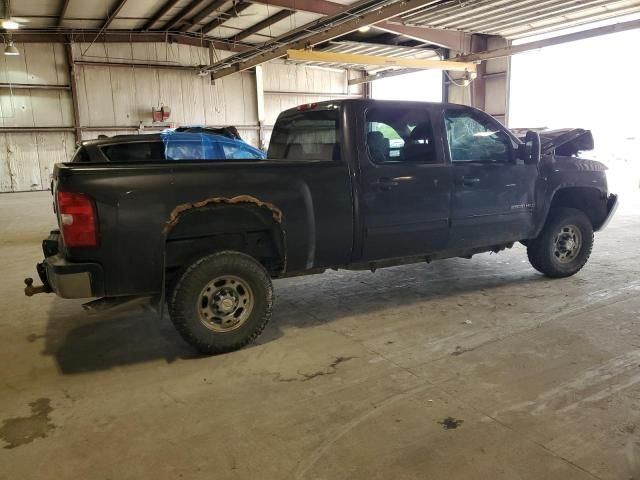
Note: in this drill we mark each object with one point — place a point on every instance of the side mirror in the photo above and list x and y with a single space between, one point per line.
531 150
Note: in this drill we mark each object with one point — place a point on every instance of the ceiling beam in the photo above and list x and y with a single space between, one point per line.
157 66
548 42
178 18
379 60
63 12
322 7
162 11
227 15
112 36
253 29
113 14
379 75
222 68
450 39
202 14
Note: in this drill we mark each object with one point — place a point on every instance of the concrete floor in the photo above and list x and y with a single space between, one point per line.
356 377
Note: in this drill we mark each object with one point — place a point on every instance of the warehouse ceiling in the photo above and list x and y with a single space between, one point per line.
258 30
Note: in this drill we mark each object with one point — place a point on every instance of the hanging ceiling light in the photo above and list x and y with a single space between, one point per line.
11 49
9 24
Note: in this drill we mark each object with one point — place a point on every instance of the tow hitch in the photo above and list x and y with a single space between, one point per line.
30 290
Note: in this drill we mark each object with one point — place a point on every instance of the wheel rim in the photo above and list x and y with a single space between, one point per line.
225 303
567 243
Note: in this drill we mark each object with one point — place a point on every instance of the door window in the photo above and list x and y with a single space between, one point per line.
400 135
475 139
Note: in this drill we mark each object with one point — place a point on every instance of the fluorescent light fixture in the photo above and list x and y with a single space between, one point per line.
9 24
364 29
11 49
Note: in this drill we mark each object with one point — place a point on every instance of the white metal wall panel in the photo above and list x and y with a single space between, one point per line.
497 82
21 157
317 83
52 148
215 101
123 90
6 178
27 159
192 98
15 109
146 88
95 84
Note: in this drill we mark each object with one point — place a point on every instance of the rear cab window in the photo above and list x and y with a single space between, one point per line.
308 133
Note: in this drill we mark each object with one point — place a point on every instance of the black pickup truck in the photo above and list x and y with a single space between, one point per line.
352 184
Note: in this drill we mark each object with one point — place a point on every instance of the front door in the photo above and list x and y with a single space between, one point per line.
404 183
493 192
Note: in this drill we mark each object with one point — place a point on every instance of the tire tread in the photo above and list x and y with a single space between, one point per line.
537 249
178 306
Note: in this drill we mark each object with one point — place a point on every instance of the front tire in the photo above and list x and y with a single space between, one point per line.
564 245
221 302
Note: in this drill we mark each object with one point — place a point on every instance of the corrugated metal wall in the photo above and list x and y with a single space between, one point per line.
115 100
27 158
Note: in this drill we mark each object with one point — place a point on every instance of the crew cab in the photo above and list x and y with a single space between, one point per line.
351 184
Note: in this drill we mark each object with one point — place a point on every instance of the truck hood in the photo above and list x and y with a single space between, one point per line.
566 142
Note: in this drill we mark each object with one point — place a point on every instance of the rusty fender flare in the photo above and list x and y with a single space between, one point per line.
248 200
174 216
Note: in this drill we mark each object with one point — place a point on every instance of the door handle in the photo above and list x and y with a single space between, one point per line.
469 181
385 183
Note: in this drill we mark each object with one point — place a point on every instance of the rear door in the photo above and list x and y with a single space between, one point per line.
306 142
493 192
404 183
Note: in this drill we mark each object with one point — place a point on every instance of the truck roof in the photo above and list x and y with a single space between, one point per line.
365 101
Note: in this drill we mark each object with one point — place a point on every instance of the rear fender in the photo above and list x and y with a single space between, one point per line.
214 226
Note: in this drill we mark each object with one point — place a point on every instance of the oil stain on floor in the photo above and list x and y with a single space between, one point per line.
451 423
22 430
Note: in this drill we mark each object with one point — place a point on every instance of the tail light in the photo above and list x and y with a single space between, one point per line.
77 214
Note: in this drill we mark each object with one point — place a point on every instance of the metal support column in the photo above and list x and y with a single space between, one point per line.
479 86
260 105
74 92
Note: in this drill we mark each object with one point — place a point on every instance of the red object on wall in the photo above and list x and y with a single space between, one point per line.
161 114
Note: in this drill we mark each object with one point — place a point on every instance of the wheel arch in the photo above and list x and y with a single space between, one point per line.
252 228
589 200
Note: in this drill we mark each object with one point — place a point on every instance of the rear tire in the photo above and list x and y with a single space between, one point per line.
221 302
564 245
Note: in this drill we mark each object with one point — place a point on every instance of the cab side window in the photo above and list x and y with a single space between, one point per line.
400 135
472 138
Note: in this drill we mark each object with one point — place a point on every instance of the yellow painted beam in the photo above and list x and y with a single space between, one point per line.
355 59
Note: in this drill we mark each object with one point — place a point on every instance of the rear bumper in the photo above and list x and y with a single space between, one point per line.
612 205
69 279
